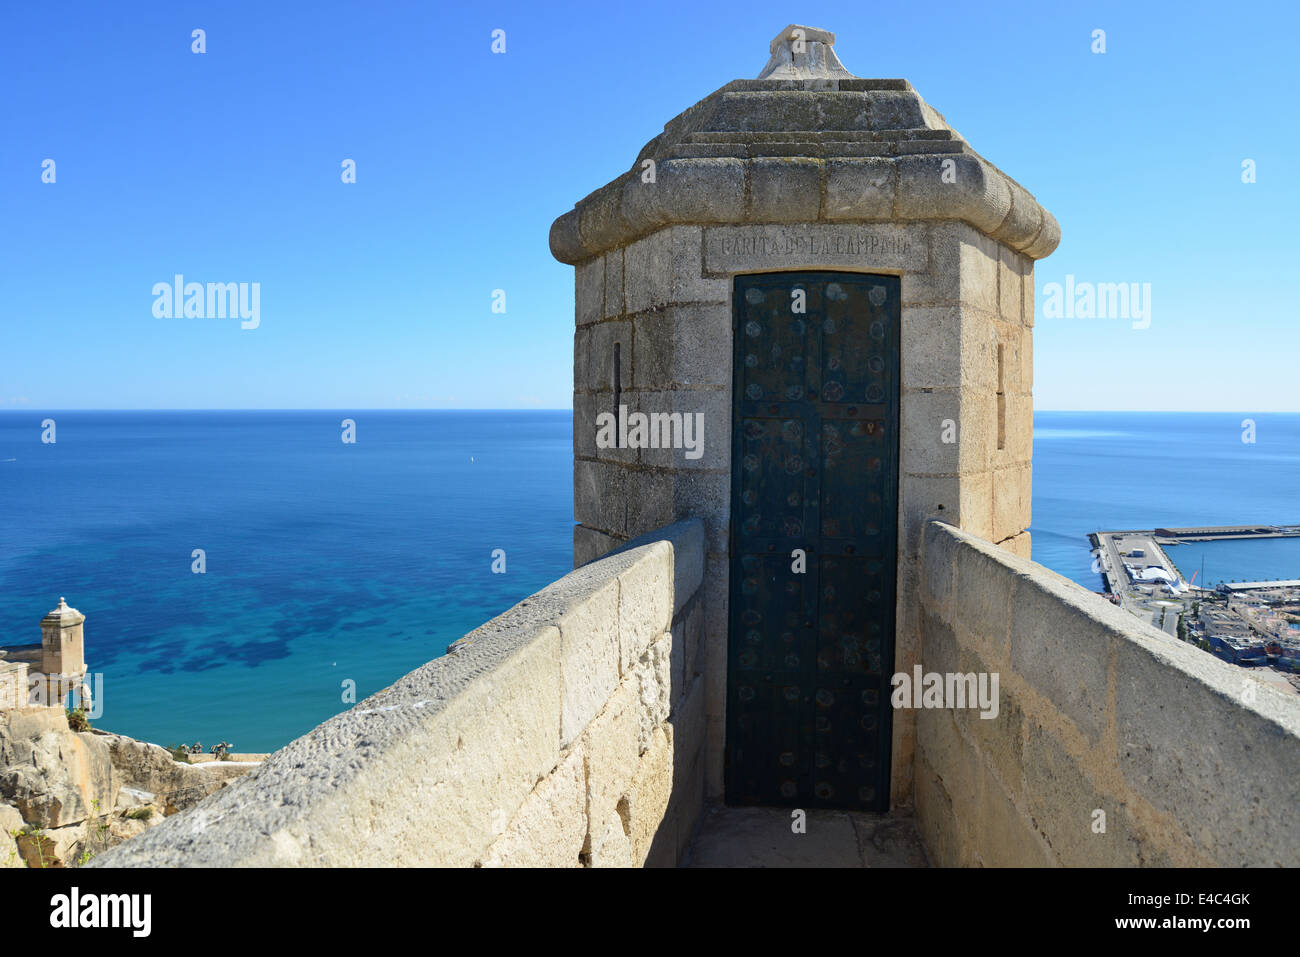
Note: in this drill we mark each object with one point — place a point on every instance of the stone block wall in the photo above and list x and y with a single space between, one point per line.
966 406
566 732
1103 721
13 685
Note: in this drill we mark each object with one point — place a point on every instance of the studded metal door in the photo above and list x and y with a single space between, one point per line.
814 474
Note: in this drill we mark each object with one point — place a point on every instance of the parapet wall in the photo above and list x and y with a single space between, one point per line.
565 732
1186 757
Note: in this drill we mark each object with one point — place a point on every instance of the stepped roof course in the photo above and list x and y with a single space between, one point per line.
806 142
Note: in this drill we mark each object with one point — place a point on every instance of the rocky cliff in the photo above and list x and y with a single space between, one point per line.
67 795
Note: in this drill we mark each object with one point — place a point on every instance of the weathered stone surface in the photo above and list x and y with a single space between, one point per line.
713 639
151 769
1020 431
76 794
129 798
800 52
593 355
982 595
1063 802
973 190
589 292
763 837
590 544
11 824
977 446
1062 651
550 827
931 441
962 269
683 347
686 190
808 146
923 498
1045 243
784 189
584 606
1018 546
684 539
688 725
653 677
889 247
610 746
610 843
1057 755
645 603
1010 279
709 495
649 500
598 496
1007 838
686 806
53 776
614 303
975 504
587 408
664 269
1011 501
648 796
932 355
1027 308
1224 792
1024 221
859 190
693 631
709 410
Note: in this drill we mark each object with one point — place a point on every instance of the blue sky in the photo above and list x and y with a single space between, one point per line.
225 166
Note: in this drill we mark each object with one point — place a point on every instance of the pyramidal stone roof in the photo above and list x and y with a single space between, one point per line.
65 613
806 142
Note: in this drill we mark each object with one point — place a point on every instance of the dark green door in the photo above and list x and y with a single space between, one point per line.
814 473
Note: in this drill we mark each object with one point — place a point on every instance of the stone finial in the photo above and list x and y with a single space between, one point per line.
803 53
64 612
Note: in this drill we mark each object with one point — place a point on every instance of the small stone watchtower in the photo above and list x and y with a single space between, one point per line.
63 655
819 275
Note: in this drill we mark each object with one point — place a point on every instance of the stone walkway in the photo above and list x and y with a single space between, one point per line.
761 837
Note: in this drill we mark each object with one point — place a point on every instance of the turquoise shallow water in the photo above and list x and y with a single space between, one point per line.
328 562
325 561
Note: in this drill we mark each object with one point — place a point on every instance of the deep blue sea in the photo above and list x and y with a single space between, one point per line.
1120 470
325 561
328 562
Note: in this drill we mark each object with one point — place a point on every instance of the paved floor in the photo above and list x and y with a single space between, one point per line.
763 837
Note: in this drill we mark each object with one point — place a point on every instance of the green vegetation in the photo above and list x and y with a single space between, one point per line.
37 833
77 720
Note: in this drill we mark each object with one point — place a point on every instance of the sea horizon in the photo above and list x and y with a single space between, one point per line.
328 562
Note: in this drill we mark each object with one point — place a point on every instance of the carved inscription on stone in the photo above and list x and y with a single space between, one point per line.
747 248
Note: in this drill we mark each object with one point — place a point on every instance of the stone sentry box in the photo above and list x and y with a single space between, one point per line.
805 168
